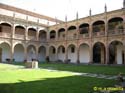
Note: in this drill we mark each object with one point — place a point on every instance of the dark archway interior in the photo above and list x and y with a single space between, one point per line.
42 35
98 26
71 28
62 30
98 53
84 28
114 22
52 34
112 51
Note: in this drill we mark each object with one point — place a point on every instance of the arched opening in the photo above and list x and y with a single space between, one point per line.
115 23
31 52
71 28
84 30
42 35
19 32
61 33
72 54
19 53
61 53
116 52
32 34
71 32
52 53
99 53
98 28
42 54
53 34
84 53
115 26
5 52
5 30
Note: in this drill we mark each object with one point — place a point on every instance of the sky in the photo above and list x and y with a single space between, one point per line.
61 8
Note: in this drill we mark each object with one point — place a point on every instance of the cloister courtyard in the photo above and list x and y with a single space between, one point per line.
41 54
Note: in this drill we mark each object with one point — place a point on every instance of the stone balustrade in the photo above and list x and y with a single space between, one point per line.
5 35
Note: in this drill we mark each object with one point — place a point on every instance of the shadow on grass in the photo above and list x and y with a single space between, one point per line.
70 84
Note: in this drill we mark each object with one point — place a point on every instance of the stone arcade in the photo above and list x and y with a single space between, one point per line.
94 39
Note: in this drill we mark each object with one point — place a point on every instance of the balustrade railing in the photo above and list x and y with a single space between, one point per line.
61 38
97 34
116 32
32 38
72 37
83 35
42 39
52 39
18 36
6 35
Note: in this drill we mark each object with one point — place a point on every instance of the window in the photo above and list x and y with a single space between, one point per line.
72 49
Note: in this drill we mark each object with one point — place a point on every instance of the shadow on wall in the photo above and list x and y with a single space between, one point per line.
71 84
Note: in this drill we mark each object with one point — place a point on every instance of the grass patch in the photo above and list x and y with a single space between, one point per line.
99 69
43 81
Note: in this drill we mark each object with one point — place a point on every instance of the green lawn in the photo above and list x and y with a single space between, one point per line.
18 80
99 69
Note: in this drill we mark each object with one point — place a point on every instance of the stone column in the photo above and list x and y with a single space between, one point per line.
91 39
77 51
115 54
47 50
90 31
25 54
37 53
37 35
56 54
12 52
106 29
56 35
91 54
26 33
107 54
66 55
12 48
48 35
12 31
102 55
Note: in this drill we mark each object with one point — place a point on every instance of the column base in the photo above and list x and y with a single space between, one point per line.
47 59
66 61
91 62
78 61
10 60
